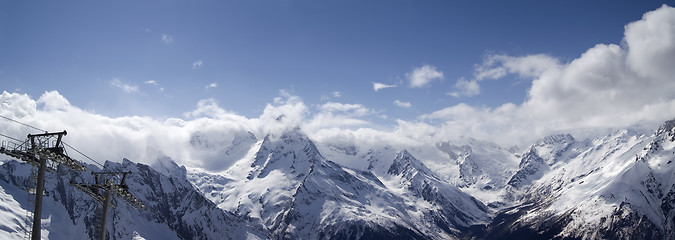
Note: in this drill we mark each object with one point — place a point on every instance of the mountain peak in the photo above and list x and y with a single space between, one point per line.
667 128
292 152
664 137
165 165
556 139
532 167
406 162
454 151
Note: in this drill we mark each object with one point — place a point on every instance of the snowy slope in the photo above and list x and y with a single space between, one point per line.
290 187
454 207
540 157
175 210
12 215
219 150
479 168
336 203
171 199
287 187
483 168
483 165
544 155
618 186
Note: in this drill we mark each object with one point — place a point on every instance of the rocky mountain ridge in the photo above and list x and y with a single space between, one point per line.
284 187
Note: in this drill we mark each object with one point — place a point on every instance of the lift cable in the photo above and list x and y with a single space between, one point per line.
14 139
23 124
78 151
64 143
42 151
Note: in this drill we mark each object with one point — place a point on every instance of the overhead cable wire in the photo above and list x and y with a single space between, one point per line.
17 140
78 151
23 124
64 143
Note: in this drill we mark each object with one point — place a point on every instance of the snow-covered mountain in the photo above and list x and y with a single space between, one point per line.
286 186
547 153
483 170
453 207
219 150
616 187
174 208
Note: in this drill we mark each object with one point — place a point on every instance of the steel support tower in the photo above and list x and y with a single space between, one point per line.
102 189
46 152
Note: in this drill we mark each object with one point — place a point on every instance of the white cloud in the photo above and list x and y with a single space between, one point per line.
86 131
287 112
211 85
402 104
196 64
335 94
499 66
353 109
166 38
338 115
422 76
143 139
651 42
530 66
608 86
206 108
465 88
151 82
127 88
378 86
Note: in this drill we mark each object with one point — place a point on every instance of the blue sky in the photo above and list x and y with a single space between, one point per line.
253 49
148 76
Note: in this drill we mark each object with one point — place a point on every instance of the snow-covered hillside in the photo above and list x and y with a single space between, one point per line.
174 209
287 186
483 168
618 186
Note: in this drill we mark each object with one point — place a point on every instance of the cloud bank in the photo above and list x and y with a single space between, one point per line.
609 85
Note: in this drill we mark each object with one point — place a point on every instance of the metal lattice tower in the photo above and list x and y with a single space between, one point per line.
30 188
46 152
103 188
